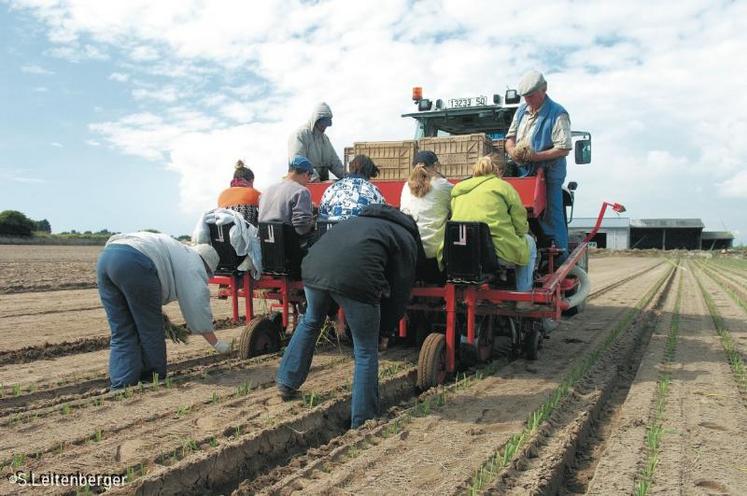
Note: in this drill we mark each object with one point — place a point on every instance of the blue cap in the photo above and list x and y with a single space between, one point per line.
426 157
301 164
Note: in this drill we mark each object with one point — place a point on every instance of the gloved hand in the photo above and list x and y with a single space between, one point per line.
523 151
222 346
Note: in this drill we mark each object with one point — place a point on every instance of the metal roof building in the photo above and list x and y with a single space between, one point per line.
716 240
614 234
666 234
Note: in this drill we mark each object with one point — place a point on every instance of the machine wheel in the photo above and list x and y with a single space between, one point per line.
432 362
485 339
260 337
575 310
532 340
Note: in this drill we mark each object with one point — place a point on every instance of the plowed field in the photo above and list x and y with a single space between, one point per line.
644 392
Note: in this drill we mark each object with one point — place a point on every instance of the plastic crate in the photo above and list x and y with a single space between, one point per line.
458 154
393 158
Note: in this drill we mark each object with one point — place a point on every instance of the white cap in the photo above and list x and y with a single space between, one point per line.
209 255
531 82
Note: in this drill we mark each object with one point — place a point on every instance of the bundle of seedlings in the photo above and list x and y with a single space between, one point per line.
176 333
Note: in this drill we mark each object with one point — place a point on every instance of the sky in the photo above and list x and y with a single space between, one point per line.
130 115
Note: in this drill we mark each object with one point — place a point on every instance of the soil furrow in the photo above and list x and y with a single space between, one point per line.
702 449
438 451
612 461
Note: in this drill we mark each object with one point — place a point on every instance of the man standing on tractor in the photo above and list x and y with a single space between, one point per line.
540 136
310 141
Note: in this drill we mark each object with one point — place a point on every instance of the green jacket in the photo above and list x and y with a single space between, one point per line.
492 200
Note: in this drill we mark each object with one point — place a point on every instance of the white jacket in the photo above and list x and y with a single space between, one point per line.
181 272
244 237
430 213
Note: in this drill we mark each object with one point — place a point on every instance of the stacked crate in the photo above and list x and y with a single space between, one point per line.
458 154
393 158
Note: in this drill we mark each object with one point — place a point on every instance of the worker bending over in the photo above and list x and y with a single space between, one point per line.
138 273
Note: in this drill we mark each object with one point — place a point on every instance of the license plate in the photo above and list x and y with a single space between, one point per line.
468 102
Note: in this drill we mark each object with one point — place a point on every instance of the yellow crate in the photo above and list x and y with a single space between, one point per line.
393 158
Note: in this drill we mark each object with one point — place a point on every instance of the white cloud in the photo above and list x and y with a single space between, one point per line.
41 89
667 124
18 176
735 187
120 77
91 142
36 69
56 144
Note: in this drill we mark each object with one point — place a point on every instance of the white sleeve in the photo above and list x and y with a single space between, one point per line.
561 133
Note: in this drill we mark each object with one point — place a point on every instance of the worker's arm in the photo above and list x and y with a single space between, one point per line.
550 154
510 146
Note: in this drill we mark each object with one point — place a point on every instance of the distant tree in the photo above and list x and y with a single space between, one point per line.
151 230
14 223
43 226
184 237
104 232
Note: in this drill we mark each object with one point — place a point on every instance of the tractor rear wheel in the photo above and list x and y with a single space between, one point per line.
532 340
432 362
260 337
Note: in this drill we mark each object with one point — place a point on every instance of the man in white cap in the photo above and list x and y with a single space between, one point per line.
137 273
540 136
310 141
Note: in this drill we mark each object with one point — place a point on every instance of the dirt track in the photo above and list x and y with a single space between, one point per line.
218 426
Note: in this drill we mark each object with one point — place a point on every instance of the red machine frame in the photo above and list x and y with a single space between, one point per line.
549 297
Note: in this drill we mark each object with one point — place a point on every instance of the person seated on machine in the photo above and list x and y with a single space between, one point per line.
486 197
349 196
241 196
289 201
426 197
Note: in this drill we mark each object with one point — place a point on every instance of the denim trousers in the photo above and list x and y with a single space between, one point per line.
525 273
130 291
552 220
363 319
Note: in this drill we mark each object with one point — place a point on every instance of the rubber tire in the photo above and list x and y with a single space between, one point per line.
260 337
575 310
533 342
485 343
432 362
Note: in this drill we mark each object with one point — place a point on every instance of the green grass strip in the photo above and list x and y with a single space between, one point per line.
654 432
727 342
501 458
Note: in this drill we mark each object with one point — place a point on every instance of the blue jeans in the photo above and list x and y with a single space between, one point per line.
552 220
131 294
525 273
363 319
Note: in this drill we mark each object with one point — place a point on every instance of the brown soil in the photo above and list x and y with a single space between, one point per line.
208 432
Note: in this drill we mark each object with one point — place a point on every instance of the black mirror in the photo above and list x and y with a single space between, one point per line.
572 186
582 151
424 104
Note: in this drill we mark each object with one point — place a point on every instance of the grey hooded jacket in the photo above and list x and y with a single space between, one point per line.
316 146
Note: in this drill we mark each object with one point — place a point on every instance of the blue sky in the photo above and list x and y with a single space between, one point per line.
130 115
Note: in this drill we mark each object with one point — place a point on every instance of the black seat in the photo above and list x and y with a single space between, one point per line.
221 241
469 254
322 226
281 249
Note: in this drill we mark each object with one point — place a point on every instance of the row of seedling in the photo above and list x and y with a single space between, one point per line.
502 457
733 288
654 431
727 342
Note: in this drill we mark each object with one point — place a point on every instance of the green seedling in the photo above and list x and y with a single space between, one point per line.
188 446
18 460
84 491
128 392
16 390
97 436
237 431
214 398
32 388
167 382
182 410
310 399
66 409
213 442
141 387
154 381
97 402
244 388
